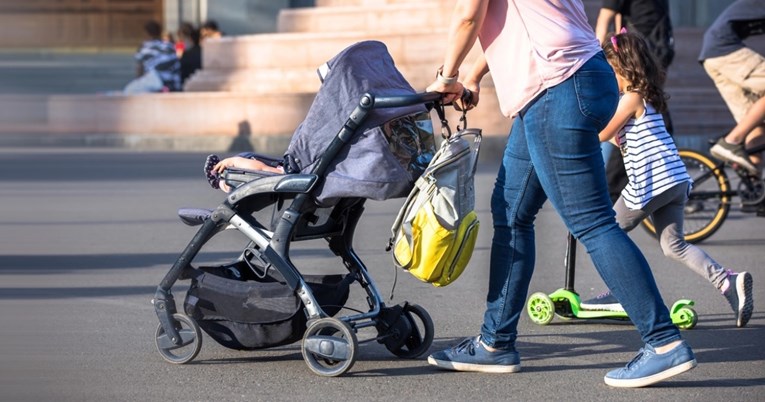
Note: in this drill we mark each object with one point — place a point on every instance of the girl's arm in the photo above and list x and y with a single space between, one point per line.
630 105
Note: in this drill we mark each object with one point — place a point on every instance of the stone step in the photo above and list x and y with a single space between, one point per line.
240 63
371 3
215 114
393 18
287 80
287 50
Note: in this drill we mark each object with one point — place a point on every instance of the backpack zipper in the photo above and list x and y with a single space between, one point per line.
459 251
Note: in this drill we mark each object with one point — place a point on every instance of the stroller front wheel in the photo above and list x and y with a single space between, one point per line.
329 347
189 346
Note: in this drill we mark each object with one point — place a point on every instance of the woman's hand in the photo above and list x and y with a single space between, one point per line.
450 92
472 101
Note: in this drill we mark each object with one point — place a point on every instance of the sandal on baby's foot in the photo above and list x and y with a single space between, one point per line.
212 177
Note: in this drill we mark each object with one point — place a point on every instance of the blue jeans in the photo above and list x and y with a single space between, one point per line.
553 152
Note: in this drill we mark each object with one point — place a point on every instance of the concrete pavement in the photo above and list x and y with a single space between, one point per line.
86 235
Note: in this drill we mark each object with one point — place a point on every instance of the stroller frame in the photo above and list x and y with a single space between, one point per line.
329 344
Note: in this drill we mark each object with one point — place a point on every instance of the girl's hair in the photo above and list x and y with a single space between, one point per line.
630 57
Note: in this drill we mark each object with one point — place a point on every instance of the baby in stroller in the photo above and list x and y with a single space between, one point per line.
215 167
367 135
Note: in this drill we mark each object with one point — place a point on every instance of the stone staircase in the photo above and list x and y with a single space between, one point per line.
314 35
255 89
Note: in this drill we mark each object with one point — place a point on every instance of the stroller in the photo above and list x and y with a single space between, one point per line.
367 135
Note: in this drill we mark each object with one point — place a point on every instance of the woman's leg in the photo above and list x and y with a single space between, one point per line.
515 201
562 128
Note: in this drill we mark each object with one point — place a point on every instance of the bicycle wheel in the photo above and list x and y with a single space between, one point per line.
709 201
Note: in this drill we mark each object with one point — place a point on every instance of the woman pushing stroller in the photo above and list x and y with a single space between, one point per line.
552 77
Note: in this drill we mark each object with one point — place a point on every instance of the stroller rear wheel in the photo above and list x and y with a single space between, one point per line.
419 336
329 347
188 348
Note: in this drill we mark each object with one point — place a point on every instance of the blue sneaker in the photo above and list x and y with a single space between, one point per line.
471 355
648 367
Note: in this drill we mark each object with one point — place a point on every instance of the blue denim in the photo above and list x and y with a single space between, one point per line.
553 152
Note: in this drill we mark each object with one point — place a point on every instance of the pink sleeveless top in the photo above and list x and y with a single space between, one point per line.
531 45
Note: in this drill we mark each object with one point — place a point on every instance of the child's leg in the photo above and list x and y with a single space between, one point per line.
736 287
668 221
627 218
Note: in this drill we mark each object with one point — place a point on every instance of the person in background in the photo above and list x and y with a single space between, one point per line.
191 57
210 30
658 181
157 66
651 19
739 75
552 77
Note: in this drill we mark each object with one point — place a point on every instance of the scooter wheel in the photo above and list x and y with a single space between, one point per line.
685 318
540 308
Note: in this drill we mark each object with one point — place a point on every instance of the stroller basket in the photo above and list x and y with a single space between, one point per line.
240 310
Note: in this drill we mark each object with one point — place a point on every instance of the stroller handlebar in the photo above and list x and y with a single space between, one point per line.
408 100
405 100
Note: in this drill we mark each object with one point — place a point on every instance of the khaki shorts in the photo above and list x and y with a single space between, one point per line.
740 78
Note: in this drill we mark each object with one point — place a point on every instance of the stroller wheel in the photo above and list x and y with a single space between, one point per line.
191 341
419 336
329 347
540 308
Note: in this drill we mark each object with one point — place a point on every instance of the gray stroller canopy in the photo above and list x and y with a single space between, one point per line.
370 166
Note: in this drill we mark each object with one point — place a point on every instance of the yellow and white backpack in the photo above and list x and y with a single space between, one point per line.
436 229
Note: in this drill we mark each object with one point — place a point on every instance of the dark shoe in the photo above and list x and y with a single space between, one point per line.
470 355
748 208
739 295
648 367
212 177
602 302
733 153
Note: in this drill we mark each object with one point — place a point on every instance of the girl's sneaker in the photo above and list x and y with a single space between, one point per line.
738 291
602 302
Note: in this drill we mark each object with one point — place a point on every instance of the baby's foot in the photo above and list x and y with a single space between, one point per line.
212 177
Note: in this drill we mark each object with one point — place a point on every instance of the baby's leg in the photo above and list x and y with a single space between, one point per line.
212 176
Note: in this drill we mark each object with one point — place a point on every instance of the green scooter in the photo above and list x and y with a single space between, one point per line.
565 302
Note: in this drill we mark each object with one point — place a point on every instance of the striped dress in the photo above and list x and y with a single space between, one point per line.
650 158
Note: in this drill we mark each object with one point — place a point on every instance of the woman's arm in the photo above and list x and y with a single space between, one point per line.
630 105
466 21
